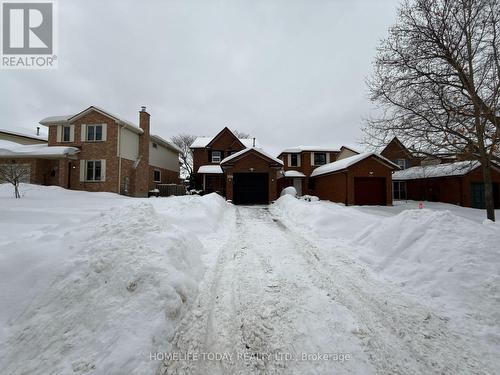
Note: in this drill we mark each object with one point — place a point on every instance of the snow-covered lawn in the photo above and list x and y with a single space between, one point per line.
96 280
443 256
93 283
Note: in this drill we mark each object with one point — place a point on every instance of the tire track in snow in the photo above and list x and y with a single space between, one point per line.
401 337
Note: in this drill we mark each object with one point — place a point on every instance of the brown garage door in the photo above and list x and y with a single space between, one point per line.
370 191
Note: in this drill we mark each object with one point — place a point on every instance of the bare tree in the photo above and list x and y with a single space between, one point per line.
437 82
241 135
184 141
14 174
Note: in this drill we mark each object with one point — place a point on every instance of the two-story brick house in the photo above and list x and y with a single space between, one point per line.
95 150
300 161
236 168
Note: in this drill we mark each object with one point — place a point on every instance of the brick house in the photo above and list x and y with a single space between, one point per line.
235 168
300 161
95 150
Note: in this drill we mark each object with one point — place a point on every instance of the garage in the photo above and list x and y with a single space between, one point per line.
251 188
370 191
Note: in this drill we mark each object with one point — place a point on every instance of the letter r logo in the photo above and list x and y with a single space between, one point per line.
27 28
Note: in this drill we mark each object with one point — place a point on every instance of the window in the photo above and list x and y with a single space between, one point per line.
401 163
93 170
155 145
399 190
319 158
157 175
94 133
216 156
66 134
294 160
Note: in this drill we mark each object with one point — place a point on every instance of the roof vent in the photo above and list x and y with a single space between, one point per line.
38 131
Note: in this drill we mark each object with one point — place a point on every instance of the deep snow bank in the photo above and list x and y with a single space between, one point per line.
118 282
446 260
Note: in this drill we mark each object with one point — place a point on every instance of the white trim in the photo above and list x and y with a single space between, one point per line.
72 133
59 133
104 132
103 170
212 157
83 166
83 132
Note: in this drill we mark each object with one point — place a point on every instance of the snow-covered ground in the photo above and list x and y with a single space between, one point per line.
96 283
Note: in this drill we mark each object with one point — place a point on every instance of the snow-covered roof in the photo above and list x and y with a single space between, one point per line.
40 137
165 143
438 170
244 151
69 118
213 169
293 173
202 142
347 162
12 149
299 149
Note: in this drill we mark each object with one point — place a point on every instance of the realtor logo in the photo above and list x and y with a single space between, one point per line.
28 35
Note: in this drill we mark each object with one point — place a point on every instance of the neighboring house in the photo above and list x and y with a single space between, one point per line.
360 179
95 150
459 183
299 162
235 168
23 138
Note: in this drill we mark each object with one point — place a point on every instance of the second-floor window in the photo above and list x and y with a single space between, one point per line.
401 163
216 156
319 158
294 160
94 132
66 134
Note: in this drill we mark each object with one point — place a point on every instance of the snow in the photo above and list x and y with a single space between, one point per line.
292 173
342 164
214 169
94 282
299 149
12 149
290 190
41 137
445 259
440 170
202 142
245 150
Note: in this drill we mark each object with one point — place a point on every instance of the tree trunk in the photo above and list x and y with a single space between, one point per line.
16 190
488 192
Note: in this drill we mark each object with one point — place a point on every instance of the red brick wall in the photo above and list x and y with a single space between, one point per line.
339 187
394 151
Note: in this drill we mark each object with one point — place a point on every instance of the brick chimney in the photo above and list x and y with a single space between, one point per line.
143 177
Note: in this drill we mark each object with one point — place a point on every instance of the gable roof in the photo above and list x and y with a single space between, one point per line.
260 151
400 144
460 168
202 142
343 164
70 118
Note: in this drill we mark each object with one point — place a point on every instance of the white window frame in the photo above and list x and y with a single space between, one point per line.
87 179
154 173
218 158
314 158
94 126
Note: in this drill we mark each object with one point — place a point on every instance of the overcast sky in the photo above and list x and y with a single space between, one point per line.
287 72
